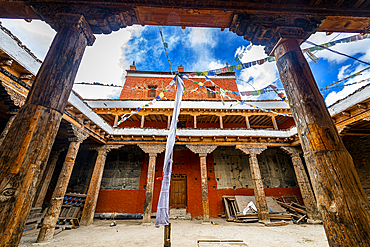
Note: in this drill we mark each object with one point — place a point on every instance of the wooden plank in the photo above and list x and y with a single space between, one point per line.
272 205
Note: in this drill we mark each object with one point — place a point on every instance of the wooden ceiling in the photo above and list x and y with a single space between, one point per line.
260 21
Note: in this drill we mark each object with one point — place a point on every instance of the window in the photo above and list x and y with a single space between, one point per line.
210 92
152 91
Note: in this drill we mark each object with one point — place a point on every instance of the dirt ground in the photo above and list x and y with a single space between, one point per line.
185 234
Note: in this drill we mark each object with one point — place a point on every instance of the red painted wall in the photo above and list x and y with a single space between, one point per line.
142 94
185 162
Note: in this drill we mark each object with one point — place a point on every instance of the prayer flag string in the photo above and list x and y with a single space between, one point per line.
200 84
165 46
226 69
157 98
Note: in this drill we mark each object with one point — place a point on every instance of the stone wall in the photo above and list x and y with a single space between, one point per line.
232 169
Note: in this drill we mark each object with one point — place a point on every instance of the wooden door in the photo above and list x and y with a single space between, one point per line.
178 191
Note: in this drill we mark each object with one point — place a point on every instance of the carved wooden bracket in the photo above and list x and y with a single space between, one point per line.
152 148
293 151
267 30
76 134
105 149
202 150
101 20
251 149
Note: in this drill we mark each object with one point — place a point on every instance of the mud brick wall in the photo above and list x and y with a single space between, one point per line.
123 169
359 150
232 169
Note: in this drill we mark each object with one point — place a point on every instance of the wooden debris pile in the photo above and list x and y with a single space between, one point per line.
297 211
234 206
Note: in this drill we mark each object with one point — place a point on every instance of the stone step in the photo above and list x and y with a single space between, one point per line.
177 212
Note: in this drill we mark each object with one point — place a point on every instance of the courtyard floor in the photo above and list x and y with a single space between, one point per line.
185 234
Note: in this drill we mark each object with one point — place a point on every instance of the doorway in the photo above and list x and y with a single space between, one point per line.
178 191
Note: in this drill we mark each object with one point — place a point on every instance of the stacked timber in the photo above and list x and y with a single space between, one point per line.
298 211
234 206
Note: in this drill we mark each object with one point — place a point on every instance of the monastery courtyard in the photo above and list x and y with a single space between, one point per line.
185 234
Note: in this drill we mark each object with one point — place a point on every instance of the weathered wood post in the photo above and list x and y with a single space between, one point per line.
152 150
45 181
339 194
6 129
167 235
51 217
26 148
308 197
87 217
259 193
203 151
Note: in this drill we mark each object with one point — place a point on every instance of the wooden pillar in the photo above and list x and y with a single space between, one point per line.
6 129
308 197
202 151
274 123
152 150
87 217
115 120
247 122
51 217
339 193
48 174
259 193
142 121
168 122
203 174
195 122
25 150
221 123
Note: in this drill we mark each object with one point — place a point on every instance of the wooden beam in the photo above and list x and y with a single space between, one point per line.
152 150
358 3
339 193
308 197
44 184
259 193
353 119
6 129
94 187
274 123
142 121
46 233
202 151
24 152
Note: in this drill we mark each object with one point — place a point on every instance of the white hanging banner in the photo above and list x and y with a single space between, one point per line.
162 218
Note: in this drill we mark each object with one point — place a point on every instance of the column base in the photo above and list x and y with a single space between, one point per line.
315 222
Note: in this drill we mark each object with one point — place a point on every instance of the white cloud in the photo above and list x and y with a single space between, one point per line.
332 97
105 62
258 76
215 65
201 42
341 73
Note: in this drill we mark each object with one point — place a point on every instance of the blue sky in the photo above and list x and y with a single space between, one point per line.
197 49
